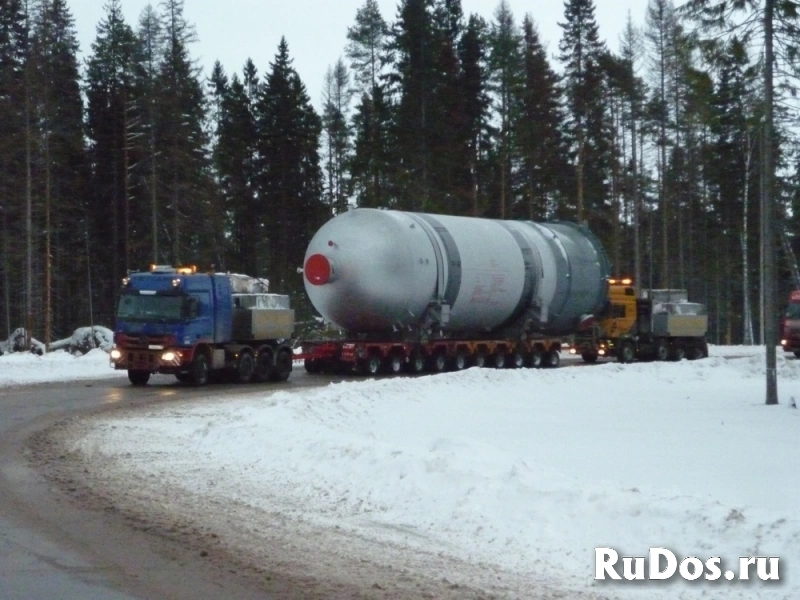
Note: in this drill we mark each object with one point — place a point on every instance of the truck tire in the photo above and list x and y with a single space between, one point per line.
678 352
626 353
589 357
199 371
479 360
537 358
372 365
499 360
416 362
438 363
460 361
264 365
138 377
245 368
517 360
552 359
283 366
394 364
661 350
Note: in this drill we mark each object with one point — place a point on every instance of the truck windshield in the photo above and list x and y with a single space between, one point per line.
151 308
792 311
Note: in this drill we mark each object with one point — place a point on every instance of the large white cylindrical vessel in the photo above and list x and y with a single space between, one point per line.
381 271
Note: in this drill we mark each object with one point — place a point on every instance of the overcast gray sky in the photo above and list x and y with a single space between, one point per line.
233 30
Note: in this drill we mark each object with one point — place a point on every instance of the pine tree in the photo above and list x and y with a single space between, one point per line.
412 88
290 178
13 56
369 55
538 137
151 41
117 220
506 64
478 130
63 178
336 99
581 52
181 141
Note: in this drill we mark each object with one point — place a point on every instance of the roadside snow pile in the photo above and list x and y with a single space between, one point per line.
23 368
520 473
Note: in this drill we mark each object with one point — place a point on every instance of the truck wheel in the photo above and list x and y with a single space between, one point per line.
589 357
283 366
499 360
553 359
394 364
460 361
416 363
312 365
438 362
626 353
517 360
372 366
198 373
662 350
138 377
245 368
678 352
264 366
536 358
479 360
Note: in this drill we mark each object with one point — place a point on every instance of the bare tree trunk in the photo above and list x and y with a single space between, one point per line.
748 317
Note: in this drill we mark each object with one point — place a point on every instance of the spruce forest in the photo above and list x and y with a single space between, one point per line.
657 141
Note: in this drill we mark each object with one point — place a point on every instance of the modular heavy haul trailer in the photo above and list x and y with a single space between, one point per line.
376 357
650 325
198 326
431 292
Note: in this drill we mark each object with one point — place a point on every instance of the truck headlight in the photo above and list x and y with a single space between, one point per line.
169 356
116 354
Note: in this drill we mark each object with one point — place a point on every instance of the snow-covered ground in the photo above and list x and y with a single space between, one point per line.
520 474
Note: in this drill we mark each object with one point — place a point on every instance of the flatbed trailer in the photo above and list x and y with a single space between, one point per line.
374 357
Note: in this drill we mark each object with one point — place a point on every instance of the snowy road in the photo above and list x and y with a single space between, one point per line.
52 546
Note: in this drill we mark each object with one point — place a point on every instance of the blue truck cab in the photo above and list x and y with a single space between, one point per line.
191 325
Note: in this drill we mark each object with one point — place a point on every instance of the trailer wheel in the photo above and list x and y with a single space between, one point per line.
438 362
371 365
479 360
589 357
536 358
138 377
245 368
517 360
626 353
198 372
416 362
264 365
283 366
553 359
499 360
394 364
460 361
678 352
662 350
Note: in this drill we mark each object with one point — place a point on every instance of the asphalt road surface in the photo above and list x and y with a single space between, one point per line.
52 548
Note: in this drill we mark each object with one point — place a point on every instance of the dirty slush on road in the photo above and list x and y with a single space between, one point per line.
278 556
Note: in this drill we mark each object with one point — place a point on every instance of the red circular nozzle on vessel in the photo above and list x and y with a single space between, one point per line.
318 269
